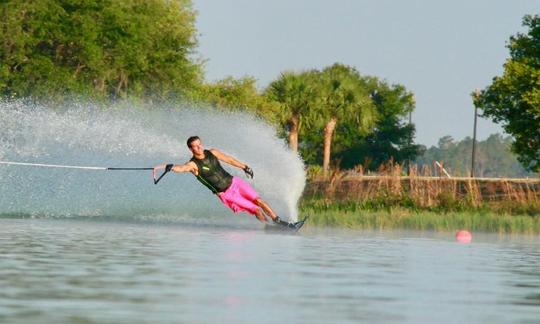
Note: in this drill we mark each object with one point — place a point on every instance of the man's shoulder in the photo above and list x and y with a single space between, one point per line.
214 151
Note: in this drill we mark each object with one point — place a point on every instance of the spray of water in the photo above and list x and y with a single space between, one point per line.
129 135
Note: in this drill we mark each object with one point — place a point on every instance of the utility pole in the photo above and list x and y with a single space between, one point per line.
410 135
476 95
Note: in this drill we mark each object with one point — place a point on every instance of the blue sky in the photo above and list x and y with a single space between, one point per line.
440 50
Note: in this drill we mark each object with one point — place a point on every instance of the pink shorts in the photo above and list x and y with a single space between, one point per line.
240 197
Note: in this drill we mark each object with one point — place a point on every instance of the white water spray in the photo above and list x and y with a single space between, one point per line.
84 134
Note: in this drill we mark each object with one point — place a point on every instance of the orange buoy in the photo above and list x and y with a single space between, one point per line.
463 236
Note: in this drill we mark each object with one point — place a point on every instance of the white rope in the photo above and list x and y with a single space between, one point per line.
53 165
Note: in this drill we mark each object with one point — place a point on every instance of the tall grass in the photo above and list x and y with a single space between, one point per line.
479 220
422 200
424 191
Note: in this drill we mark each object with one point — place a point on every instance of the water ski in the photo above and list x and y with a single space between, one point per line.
294 227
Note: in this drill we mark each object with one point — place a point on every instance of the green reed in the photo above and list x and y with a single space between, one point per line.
365 217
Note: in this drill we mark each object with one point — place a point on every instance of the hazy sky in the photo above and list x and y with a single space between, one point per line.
440 50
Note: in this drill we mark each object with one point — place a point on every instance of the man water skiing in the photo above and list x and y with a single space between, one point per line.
232 191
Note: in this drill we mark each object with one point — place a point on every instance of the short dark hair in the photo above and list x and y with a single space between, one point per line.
192 139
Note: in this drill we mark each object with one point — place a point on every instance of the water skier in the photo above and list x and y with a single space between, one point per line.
233 192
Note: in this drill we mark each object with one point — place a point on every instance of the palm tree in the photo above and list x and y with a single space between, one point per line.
294 91
343 96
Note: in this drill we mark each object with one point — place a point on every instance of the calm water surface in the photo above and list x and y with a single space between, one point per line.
77 271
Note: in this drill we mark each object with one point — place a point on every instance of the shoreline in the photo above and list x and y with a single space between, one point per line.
397 218
423 203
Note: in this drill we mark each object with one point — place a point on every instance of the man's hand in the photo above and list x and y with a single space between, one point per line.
167 167
248 171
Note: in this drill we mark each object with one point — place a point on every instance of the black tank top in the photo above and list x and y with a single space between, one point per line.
212 174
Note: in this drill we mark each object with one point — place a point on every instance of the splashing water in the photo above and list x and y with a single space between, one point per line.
133 136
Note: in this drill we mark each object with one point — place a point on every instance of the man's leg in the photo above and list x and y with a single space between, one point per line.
260 216
249 195
261 203
268 211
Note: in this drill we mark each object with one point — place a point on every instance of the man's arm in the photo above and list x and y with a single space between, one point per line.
228 159
232 161
179 168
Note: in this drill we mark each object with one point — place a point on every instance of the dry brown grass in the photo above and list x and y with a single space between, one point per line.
424 188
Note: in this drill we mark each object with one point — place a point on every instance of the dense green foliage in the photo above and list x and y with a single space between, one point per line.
236 95
99 49
343 100
369 116
312 100
295 95
392 137
493 157
513 99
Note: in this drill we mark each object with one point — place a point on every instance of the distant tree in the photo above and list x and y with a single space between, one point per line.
358 118
295 93
392 137
514 98
237 95
343 98
102 49
493 157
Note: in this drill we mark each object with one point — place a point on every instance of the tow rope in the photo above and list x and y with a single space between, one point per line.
87 168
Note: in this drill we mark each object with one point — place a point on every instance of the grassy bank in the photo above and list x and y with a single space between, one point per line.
359 217
422 201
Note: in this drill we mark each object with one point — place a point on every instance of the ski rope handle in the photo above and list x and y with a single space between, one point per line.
168 168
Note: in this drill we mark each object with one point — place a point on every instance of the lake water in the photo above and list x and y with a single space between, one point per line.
82 271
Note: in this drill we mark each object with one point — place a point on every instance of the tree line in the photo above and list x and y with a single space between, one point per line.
493 157
146 50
